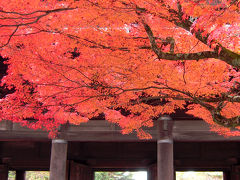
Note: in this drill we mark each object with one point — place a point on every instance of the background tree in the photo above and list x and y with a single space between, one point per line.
30 175
113 176
198 175
131 61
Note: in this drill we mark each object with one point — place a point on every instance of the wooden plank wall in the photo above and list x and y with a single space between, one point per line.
80 172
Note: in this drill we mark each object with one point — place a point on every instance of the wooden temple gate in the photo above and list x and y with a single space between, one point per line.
179 144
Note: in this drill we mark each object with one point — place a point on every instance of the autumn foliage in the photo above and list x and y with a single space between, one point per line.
129 60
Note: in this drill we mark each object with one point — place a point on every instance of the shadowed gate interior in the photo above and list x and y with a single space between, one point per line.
86 157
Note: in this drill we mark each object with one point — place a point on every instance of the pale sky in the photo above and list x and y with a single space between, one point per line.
140 175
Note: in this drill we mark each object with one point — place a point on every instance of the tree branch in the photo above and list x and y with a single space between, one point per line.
225 54
176 56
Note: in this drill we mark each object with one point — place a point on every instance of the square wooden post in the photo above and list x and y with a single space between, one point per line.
235 173
226 175
58 161
152 172
3 172
20 175
165 168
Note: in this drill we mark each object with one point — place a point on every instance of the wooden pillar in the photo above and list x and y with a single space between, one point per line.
3 172
152 172
58 159
235 173
20 175
165 168
226 175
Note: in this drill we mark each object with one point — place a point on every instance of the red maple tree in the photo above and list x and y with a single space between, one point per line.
70 60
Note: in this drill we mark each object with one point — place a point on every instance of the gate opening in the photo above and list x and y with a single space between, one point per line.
120 175
199 175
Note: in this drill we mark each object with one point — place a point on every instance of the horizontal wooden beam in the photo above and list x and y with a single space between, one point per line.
30 165
119 163
103 131
201 164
